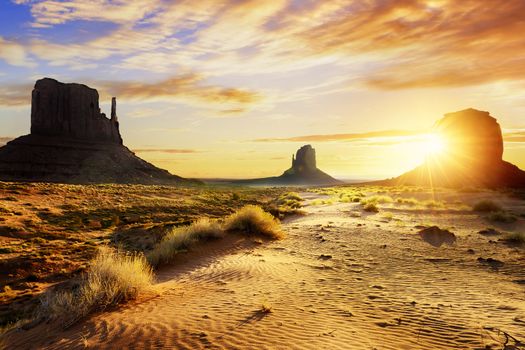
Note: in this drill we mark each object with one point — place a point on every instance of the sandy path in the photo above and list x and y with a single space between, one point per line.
336 282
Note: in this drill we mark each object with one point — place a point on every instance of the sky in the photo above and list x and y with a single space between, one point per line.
232 88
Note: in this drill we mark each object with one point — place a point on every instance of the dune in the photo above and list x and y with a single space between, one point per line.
338 281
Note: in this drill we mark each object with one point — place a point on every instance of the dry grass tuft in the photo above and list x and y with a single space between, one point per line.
181 238
516 237
112 278
487 206
371 207
502 216
253 220
266 309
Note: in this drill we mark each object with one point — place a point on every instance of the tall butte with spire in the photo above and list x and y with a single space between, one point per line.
303 171
72 141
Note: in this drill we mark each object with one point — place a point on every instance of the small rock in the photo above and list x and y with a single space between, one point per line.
435 236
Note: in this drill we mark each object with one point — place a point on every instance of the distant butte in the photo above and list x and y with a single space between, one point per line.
472 157
303 171
71 141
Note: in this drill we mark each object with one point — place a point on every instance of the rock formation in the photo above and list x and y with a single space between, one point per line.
303 172
71 111
71 141
472 155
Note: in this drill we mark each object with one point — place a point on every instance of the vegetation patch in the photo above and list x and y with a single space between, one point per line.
502 216
253 220
371 207
112 278
181 238
487 206
516 238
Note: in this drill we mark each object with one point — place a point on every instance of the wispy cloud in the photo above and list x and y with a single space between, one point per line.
5 139
344 137
15 53
166 150
378 138
440 43
518 136
187 86
190 87
15 95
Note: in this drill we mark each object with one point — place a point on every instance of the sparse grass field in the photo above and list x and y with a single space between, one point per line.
50 232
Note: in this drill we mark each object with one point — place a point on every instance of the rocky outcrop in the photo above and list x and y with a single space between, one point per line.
71 111
305 160
472 155
302 172
71 141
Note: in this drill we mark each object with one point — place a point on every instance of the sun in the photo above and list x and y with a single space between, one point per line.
433 144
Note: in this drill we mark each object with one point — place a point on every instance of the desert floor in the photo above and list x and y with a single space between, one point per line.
342 279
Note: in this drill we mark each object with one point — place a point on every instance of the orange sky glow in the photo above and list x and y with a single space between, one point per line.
230 89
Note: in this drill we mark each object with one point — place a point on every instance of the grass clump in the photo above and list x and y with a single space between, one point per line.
317 202
377 200
371 207
502 216
487 206
266 308
180 238
253 220
516 237
112 278
388 216
407 201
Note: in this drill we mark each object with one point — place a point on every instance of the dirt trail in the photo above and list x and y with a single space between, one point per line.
336 282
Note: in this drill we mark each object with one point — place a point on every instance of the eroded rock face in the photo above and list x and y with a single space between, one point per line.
304 159
471 136
472 156
70 111
302 172
71 141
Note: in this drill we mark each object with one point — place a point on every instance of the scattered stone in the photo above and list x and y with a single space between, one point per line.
471 251
489 232
436 236
325 257
494 263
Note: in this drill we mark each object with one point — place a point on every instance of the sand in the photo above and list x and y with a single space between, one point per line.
336 282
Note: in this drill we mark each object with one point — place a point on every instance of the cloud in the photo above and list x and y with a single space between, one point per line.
189 86
5 139
15 95
344 137
14 53
186 88
518 136
166 150
51 12
427 44
392 44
